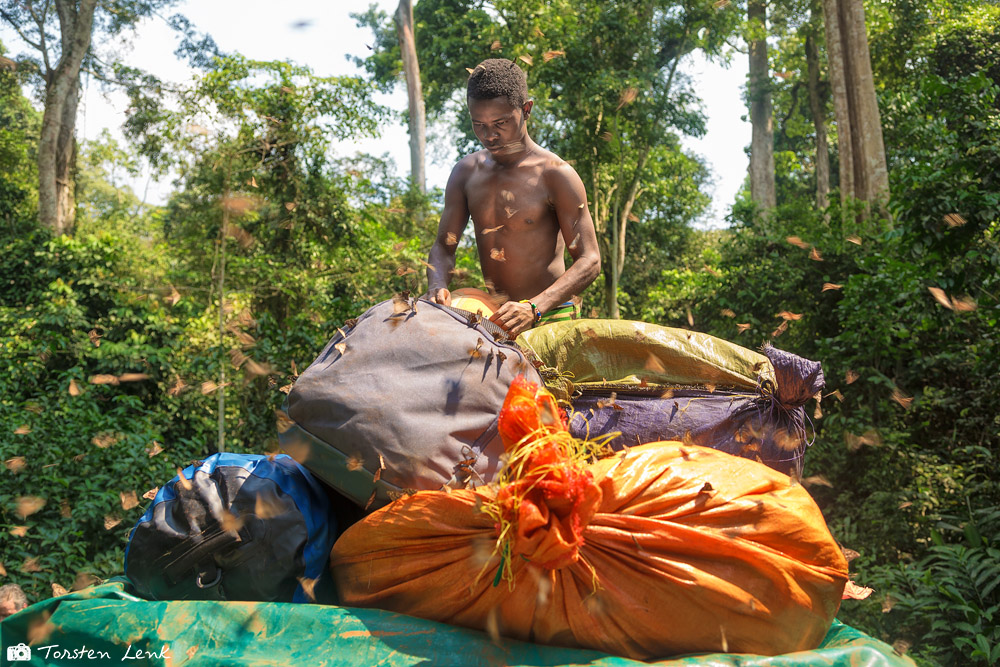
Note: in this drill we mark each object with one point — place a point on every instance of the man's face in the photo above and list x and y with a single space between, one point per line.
498 126
8 608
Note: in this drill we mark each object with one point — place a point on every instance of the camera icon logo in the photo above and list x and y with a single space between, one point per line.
19 653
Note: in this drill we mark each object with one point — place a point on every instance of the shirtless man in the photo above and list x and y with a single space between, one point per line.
527 207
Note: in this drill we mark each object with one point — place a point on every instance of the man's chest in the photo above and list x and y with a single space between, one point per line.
518 201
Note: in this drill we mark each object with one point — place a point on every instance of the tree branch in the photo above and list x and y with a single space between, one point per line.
791 107
670 77
633 194
734 47
40 22
13 24
66 9
170 88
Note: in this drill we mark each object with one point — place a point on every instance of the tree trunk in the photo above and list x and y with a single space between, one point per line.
838 88
623 209
66 159
611 294
56 141
761 117
597 213
818 112
868 125
863 171
414 93
223 230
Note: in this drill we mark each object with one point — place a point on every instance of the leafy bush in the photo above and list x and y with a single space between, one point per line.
903 312
111 356
83 411
947 603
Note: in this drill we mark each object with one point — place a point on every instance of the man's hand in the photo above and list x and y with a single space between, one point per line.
440 295
515 317
454 218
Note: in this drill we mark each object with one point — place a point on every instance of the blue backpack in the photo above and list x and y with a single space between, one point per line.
234 527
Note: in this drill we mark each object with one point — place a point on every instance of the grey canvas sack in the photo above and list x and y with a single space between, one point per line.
405 398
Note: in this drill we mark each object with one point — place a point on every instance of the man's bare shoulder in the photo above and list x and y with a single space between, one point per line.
558 174
557 171
466 166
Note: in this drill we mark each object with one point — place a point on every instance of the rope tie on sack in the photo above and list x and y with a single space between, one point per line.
796 381
545 497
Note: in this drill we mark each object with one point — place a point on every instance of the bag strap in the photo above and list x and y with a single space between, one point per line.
200 558
494 329
486 437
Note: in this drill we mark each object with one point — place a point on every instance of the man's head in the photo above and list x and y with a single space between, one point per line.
497 94
495 78
12 600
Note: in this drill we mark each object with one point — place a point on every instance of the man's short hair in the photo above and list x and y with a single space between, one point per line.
14 593
497 77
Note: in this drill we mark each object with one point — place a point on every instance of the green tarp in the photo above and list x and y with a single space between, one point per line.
107 624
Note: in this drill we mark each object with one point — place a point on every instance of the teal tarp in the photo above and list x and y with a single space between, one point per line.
115 627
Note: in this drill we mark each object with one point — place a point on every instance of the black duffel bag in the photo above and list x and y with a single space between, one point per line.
234 527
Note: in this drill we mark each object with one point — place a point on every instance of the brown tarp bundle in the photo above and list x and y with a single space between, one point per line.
668 549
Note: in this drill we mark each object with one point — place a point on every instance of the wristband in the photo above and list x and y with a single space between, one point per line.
534 310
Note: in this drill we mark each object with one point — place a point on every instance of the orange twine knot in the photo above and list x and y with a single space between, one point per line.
545 498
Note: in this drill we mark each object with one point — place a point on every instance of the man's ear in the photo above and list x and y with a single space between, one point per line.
527 107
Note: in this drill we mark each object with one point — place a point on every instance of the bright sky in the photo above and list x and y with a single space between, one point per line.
321 35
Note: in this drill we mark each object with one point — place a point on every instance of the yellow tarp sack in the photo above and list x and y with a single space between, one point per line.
623 354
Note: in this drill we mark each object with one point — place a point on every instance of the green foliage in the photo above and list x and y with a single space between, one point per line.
263 201
72 311
946 603
892 498
311 240
40 29
660 233
944 150
110 341
914 482
19 127
451 36
968 44
608 98
104 202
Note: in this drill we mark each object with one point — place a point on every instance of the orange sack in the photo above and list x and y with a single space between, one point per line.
658 550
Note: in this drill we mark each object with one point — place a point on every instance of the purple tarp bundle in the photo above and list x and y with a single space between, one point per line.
672 384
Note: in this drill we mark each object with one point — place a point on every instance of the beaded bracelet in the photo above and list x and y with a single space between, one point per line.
534 310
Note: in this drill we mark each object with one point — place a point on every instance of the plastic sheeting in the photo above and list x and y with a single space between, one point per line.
110 619
688 550
739 423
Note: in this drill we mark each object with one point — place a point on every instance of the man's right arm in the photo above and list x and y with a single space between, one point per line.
454 218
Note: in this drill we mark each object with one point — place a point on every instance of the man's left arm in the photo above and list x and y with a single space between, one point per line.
569 199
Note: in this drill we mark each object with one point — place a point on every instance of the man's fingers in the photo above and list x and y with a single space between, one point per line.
442 296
